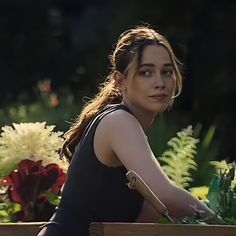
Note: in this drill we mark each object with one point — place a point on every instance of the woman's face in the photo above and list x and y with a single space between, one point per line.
152 86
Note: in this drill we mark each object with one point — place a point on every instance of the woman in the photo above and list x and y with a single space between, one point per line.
109 139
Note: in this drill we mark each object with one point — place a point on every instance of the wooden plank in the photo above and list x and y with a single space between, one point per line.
154 229
20 229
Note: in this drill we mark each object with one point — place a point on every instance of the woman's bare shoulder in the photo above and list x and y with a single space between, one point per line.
116 131
120 119
124 135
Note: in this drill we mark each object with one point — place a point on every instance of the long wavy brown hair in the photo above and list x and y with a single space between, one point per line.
127 54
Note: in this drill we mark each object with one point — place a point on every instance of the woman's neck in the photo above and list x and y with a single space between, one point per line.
144 117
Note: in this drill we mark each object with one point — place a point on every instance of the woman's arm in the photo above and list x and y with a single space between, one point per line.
126 138
149 214
182 203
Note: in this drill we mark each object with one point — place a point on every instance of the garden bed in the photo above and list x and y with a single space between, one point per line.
20 229
155 229
127 229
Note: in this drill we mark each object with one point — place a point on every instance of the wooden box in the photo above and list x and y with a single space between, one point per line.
155 229
20 229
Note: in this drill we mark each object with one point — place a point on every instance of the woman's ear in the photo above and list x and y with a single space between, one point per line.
120 81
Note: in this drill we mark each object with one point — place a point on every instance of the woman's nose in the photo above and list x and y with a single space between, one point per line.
159 81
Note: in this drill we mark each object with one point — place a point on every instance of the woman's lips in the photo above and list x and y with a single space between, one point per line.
159 97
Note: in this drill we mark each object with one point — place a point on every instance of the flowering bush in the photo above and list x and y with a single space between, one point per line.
34 141
31 171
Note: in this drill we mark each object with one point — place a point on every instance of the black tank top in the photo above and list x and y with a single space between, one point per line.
94 192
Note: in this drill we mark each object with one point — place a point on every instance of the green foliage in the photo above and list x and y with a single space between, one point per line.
53 198
165 127
54 108
214 193
178 160
223 166
162 129
8 209
207 151
222 197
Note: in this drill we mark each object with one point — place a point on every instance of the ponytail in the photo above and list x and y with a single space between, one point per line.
108 94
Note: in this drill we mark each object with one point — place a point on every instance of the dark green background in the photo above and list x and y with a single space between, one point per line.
69 41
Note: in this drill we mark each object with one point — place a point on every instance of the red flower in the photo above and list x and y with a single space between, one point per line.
30 181
54 101
45 86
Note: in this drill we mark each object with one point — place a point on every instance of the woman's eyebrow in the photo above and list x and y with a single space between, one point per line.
168 64
153 65
147 64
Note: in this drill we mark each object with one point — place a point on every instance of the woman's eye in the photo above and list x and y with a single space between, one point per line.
145 73
167 73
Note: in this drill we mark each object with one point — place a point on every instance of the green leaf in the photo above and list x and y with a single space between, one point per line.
53 198
3 213
16 207
213 195
178 160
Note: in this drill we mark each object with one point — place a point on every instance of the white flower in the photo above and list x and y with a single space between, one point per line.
34 141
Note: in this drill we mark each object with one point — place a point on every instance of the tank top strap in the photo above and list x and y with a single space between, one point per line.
110 108
93 123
